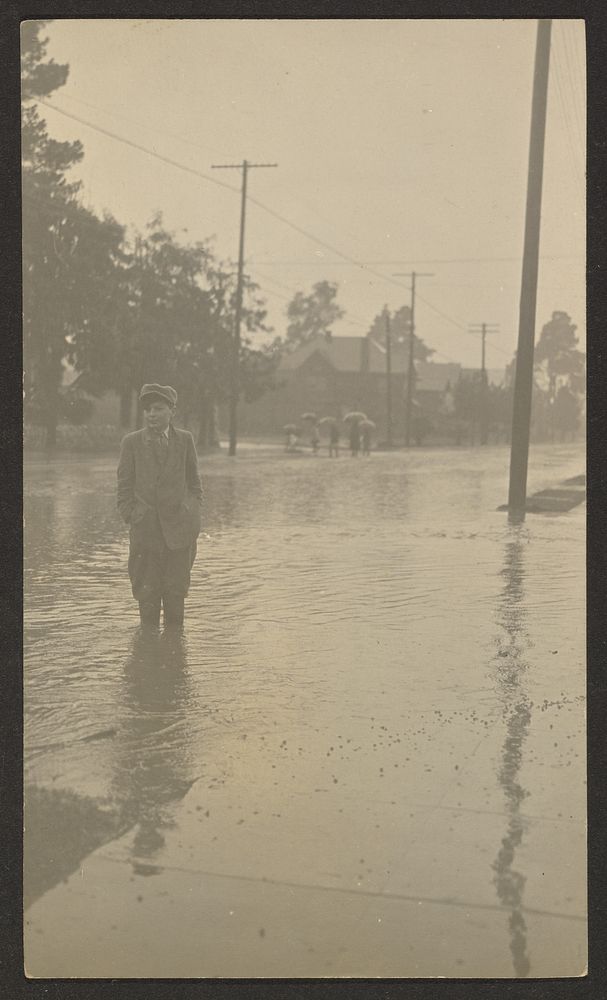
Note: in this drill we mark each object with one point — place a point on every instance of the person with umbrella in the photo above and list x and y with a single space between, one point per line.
291 437
331 424
366 426
354 420
333 440
314 438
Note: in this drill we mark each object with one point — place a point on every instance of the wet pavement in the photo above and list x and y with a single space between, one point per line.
366 755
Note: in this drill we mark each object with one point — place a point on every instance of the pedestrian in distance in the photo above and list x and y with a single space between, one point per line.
333 441
366 439
160 498
354 438
315 440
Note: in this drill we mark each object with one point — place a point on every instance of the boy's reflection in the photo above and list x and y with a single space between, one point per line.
153 767
510 668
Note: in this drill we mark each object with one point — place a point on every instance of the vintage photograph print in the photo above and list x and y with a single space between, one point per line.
304 494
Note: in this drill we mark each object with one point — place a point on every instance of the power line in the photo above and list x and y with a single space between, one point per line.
573 80
133 121
416 260
346 257
565 115
136 145
199 173
568 97
255 201
188 142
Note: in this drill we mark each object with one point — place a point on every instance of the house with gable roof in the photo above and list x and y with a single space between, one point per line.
330 376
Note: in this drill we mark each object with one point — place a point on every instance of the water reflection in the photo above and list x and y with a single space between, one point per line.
306 499
152 767
510 668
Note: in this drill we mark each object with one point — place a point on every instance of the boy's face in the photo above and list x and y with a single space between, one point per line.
157 413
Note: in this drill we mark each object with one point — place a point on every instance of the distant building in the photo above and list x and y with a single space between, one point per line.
434 385
328 376
495 376
333 375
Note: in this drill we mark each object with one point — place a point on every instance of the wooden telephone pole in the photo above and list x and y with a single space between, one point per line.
523 381
483 329
245 166
411 367
388 378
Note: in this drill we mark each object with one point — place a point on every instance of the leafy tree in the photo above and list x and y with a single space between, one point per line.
156 310
212 357
38 77
400 326
557 358
167 309
46 197
566 411
203 351
558 364
69 276
176 319
314 314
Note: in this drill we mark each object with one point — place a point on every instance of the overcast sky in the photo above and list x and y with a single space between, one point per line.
400 143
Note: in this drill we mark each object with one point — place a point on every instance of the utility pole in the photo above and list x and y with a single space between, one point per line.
388 378
245 166
411 366
483 329
142 365
523 380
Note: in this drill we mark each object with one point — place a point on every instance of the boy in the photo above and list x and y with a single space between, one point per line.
160 498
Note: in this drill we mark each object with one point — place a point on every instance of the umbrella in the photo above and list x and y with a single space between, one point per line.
368 423
308 416
355 415
290 429
326 421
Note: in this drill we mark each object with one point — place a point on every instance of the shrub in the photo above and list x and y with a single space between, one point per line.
75 437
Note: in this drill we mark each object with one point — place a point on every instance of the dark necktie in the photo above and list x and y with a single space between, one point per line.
161 446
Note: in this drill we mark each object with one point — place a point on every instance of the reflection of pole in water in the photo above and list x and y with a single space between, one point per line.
510 671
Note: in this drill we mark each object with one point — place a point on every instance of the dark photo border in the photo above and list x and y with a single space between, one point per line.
13 983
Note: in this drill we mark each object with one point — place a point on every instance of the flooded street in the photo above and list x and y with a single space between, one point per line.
366 755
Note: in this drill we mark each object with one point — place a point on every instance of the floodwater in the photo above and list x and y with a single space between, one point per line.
365 756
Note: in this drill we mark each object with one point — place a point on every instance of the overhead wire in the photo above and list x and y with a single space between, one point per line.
272 212
575 76
138 124
416 260
223 184
567 121
138 146
573 93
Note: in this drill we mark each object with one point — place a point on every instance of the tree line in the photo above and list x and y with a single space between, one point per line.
122 309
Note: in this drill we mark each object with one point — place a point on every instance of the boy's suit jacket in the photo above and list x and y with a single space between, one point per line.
150 493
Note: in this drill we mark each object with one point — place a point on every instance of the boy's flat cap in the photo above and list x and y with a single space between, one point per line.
164 391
